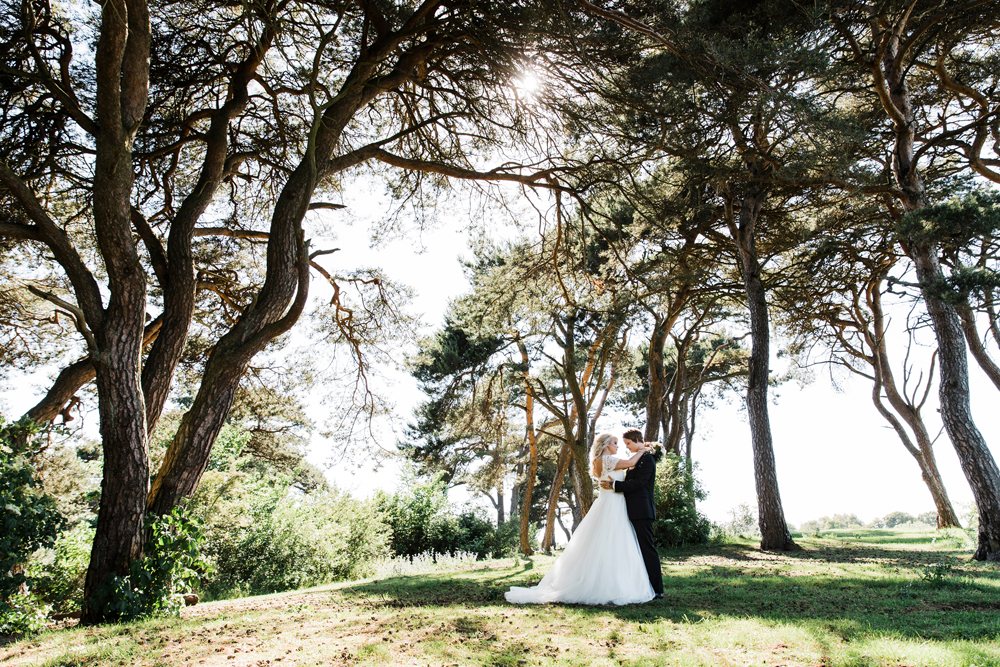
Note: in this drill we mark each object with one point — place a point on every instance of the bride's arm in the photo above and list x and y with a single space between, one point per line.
630 462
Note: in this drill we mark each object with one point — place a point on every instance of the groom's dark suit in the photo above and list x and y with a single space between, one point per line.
638 490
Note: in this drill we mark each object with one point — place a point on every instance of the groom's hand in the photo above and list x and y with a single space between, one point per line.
605 484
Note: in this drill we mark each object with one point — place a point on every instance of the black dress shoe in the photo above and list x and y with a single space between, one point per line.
658 596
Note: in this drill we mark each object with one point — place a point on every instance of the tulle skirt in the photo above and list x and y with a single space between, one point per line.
601 563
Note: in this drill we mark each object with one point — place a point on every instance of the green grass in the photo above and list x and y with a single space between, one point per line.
849 599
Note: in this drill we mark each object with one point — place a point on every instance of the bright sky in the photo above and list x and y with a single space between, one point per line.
834 452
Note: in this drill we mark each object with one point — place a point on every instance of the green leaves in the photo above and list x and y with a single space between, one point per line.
171 564
30 521
678 521
954 223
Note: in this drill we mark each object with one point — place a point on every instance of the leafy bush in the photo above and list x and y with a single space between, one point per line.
171 564
421 521
58 577
23 614
676 490
263 536
29 521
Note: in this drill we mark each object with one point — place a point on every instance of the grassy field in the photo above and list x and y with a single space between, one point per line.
851 598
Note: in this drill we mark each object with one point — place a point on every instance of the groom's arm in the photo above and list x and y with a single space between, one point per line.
638 477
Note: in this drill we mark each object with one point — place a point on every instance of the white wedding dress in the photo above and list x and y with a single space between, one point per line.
601 563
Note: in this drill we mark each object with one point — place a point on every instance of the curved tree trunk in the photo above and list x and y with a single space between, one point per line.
923 451
287 276
532 437
176 270
122 59
562 465
977 461
773 528
946 516
188 454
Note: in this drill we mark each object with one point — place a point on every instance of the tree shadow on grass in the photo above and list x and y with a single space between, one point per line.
902 598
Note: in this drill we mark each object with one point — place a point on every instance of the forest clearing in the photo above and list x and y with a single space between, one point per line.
666 218
861 597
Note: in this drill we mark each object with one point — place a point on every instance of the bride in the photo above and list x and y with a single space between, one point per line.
601 563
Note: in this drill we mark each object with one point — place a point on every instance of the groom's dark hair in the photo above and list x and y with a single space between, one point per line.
633 434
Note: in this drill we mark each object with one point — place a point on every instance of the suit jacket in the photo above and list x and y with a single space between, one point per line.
638 489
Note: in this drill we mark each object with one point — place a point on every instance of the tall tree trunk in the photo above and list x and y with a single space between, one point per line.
677 397
122 65
515 489
562 465
923 452
657 377
773 528
532 438
500 508
977 462
580 482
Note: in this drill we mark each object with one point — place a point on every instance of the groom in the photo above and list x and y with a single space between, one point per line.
638 490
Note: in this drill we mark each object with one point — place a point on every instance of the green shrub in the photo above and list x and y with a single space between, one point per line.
171 564
23 615
676 490
263 536
29 521
421 521
59 576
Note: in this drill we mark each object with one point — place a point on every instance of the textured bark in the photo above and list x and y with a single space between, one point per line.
578 425
657 377
977 461
562 465
677 401
532 437
72 379
975 343
122 60
773 527
991 313
500 508
188 454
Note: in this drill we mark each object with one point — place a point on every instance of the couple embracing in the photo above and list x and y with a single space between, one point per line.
611 558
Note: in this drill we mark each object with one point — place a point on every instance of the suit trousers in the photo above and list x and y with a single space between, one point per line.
644 533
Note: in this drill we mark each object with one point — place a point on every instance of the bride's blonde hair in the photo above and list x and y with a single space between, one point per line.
601 443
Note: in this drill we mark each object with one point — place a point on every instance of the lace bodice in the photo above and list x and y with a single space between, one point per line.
608 463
